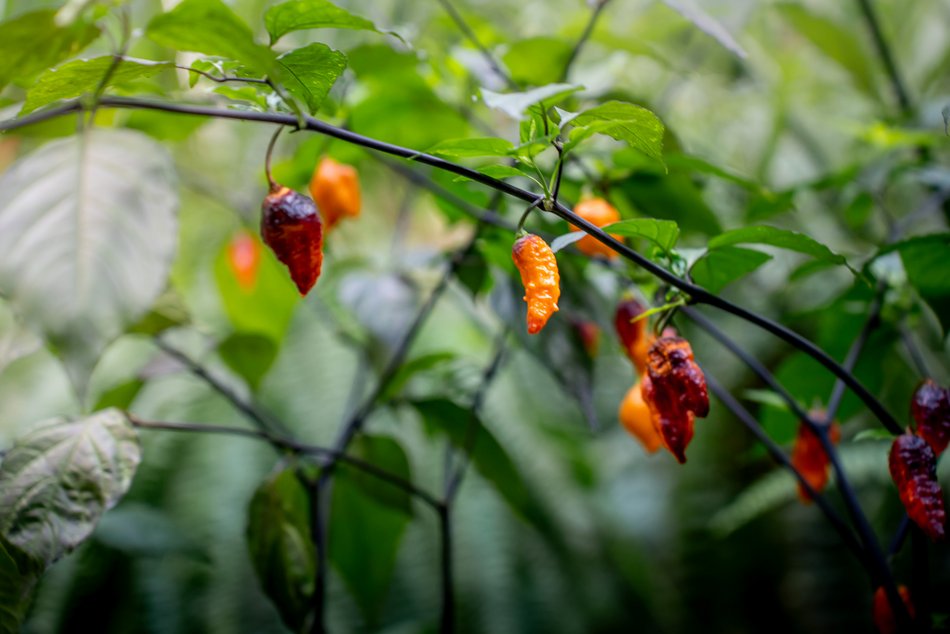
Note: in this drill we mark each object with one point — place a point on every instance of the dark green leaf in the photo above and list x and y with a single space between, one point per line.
413 367
119 396
298 15
33 42
515 104
413 116
18 577
57 481
487 146
212 28
858 211
250 355
500 171
84 76
719 267
688 163
364 538
627 122
767 204
928 270
663 233
782 238
386 454
537 60
673 197
278 538
310 72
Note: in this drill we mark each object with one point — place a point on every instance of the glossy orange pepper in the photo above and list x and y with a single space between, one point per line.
291 227
883 614
634 336
913 467
335 188
599 213
810 459
535 261
244 258
635 417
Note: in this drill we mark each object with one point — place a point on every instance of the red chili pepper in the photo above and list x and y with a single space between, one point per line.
913 468
291 227
633 335
674 389
884 615
930 408
810 459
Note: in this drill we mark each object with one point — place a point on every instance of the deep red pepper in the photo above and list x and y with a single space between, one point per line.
810 459
291 227
884 615
913 468
930 408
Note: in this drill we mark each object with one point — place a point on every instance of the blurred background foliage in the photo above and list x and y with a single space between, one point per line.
786 118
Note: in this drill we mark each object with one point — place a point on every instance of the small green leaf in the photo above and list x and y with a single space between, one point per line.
663 233
635 125
928 270
250 355
766 397
782 238
33 42
515 104
537 60
84 76
565 240
719 267
486 146
387 454
874 434
309 73
500 171
298 15
278 539
413 367
212 28
56 482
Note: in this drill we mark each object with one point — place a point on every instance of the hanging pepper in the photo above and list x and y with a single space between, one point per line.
913 468
599 213
674 388
588 332
809 457
930 408
335 188
634 337
636 419
244 258
291 227
884 615
535 261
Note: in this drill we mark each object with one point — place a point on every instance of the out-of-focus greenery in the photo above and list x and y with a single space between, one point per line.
775 113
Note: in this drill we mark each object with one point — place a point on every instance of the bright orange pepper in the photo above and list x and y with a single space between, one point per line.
535 261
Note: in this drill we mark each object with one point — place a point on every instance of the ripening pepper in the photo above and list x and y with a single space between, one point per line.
291 227
335 188
809 457
535 261
634 336
883 614
930 408
599 213
244 258
674 388
913 467
636 419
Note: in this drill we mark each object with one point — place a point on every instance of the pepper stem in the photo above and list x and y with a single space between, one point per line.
270 150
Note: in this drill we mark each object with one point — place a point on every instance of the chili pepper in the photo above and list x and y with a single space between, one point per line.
291 227
884 615
535 261
809 457
913 468
633 335
599 213
244 258
674 388
636 419
588 332
930 408
335 188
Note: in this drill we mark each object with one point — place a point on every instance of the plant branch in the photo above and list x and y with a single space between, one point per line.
447 620
582 40
854 352
225 78
267 159
471 37
913 350
887 58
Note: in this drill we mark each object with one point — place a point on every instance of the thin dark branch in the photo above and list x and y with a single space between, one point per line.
887 58
697 294
897 542
916 355
582 40
294 447
318 536
854 352
224 79
447 621
920 577
471 37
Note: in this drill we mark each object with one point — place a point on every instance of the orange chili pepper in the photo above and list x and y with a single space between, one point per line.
535 261
635 417
810 459
598 212
335 188
244 258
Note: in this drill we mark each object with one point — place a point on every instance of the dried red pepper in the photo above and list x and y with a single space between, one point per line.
291 227
884 615
633 335
674 388
809 457
539 274
913 468
930 408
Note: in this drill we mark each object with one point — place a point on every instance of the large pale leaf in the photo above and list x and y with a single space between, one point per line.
298 15
56 482
16 340
32 42
278 538
310 72
87 233
514 104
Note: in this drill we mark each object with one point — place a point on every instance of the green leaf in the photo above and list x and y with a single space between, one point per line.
837 43
309 73
719 267
386 454
278 539
33 42
87 242
56 482
663 233
298 15
119 396
18 577
212 28
363 539
672 197
537 60
928 270
500 171
874 434
705 23
250 355
766 397
782 238
84 76
515 104
486 146
627 122
413 367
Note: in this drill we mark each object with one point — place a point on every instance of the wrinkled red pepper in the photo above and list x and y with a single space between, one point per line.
810 459
913 468
930 408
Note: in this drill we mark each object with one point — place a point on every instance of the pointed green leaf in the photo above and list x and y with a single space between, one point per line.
310 72
782 238
386 454
720 267
298 15
664 233
487 146
627 122
32 42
